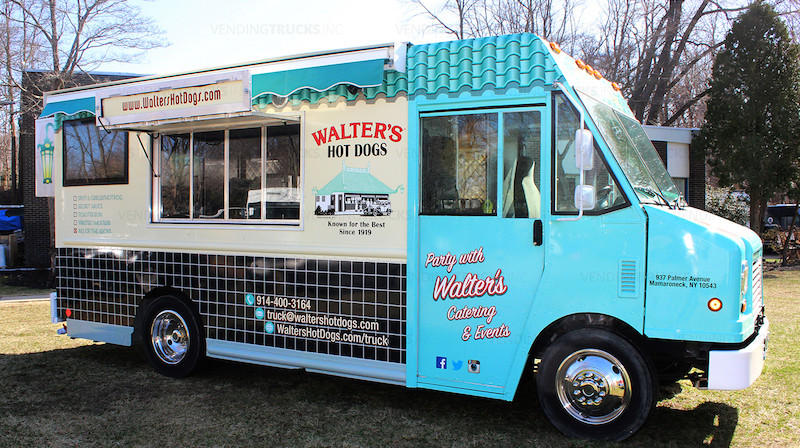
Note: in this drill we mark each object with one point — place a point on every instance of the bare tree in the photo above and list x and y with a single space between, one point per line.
661 53
452 16
20 49
551 19
65 37
82 34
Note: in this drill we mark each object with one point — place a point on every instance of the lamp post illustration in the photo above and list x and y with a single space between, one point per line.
46 152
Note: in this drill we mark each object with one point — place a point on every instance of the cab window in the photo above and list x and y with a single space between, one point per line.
608 195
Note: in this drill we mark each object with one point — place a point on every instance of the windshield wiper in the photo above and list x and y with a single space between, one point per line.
653 193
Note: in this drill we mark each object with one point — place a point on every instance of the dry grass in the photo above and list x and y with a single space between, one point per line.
57 392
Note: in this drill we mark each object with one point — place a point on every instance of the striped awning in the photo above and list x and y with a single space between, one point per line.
368 73
68 107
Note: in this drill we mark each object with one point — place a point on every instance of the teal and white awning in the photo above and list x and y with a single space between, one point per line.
68 107
367 73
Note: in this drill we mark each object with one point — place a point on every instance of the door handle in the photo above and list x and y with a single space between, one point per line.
538 233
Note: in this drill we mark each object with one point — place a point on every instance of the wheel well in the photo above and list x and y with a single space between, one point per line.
584 320
147 301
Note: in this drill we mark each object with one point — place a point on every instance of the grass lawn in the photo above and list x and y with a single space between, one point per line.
57 392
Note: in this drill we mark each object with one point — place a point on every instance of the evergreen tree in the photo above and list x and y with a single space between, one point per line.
753 117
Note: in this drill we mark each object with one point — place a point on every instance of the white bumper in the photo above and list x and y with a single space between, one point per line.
738 369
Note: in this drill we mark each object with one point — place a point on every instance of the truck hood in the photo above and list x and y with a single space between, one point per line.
715 223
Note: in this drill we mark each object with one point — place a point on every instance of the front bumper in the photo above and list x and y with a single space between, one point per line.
738 369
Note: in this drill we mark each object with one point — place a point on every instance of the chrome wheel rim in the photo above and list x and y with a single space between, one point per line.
593 386
170 337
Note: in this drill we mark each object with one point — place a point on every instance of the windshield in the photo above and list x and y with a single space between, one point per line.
634 152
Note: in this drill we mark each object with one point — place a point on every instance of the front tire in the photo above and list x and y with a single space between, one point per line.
593 384
173 338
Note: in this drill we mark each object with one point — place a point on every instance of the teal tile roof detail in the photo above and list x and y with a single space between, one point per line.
486 63
493 63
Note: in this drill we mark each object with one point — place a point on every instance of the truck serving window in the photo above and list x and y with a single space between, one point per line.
237 175
93 156
608 195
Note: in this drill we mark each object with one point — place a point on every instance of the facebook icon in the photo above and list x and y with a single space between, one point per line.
441 363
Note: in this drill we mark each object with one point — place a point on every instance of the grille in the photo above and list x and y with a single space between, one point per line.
756 282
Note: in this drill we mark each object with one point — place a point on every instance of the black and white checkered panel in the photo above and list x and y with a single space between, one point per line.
347 308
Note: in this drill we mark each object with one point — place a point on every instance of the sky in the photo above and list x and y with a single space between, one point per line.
206 33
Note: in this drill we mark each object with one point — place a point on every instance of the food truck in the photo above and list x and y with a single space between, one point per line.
454 216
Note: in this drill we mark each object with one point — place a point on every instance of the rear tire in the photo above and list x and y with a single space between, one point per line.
593 384
173 337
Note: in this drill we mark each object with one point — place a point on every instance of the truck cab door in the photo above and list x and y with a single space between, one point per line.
480 252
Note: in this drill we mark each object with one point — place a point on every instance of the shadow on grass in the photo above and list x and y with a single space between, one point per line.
101 395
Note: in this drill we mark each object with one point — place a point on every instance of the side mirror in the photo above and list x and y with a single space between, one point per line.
584 149
584 197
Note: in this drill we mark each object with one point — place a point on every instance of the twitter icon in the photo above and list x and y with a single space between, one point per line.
457 365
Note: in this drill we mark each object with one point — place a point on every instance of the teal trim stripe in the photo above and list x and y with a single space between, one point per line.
69 107
362 74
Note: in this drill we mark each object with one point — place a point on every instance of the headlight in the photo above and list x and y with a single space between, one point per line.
745 278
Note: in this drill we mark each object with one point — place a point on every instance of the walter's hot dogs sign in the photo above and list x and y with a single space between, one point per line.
359 157
337 140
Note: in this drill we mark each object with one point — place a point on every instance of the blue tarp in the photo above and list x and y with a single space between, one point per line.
9 223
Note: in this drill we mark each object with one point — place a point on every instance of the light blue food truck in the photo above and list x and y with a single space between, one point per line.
449 216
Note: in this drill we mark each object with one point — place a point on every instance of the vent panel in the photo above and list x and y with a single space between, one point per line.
628 278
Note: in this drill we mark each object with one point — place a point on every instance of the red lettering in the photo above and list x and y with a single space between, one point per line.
321 136
344 133
357 129
440 290
396 136
448 260
492 333
333 133
366 130
500 288
380 130
453 313
469 287
456 289
480 288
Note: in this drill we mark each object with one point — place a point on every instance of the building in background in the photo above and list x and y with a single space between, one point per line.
38 211
687 169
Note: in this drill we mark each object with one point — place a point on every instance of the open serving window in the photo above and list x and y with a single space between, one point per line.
215 159
242 172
